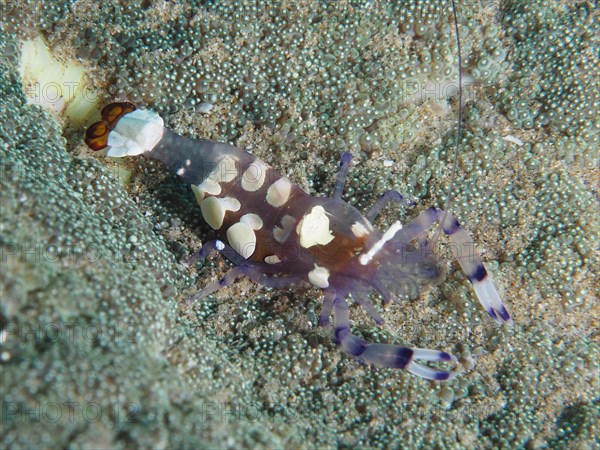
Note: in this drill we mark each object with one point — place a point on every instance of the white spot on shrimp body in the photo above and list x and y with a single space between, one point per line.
254 176
272 259
359 230
180 171
197 193
313 228
242 238
281 234
319 277
214 210
224 172
279 192
252 220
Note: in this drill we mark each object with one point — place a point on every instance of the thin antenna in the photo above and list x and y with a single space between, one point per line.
458 132
458 125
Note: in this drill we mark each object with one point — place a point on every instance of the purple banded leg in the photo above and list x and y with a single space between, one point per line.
259 273
382 202
367 305
380 287
472 266
227 279
263 274
387 355
218 245
202 253
361 298
467 256
342 175
327 308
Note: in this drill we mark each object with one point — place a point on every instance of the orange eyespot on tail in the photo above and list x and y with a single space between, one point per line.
96 136
113 112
